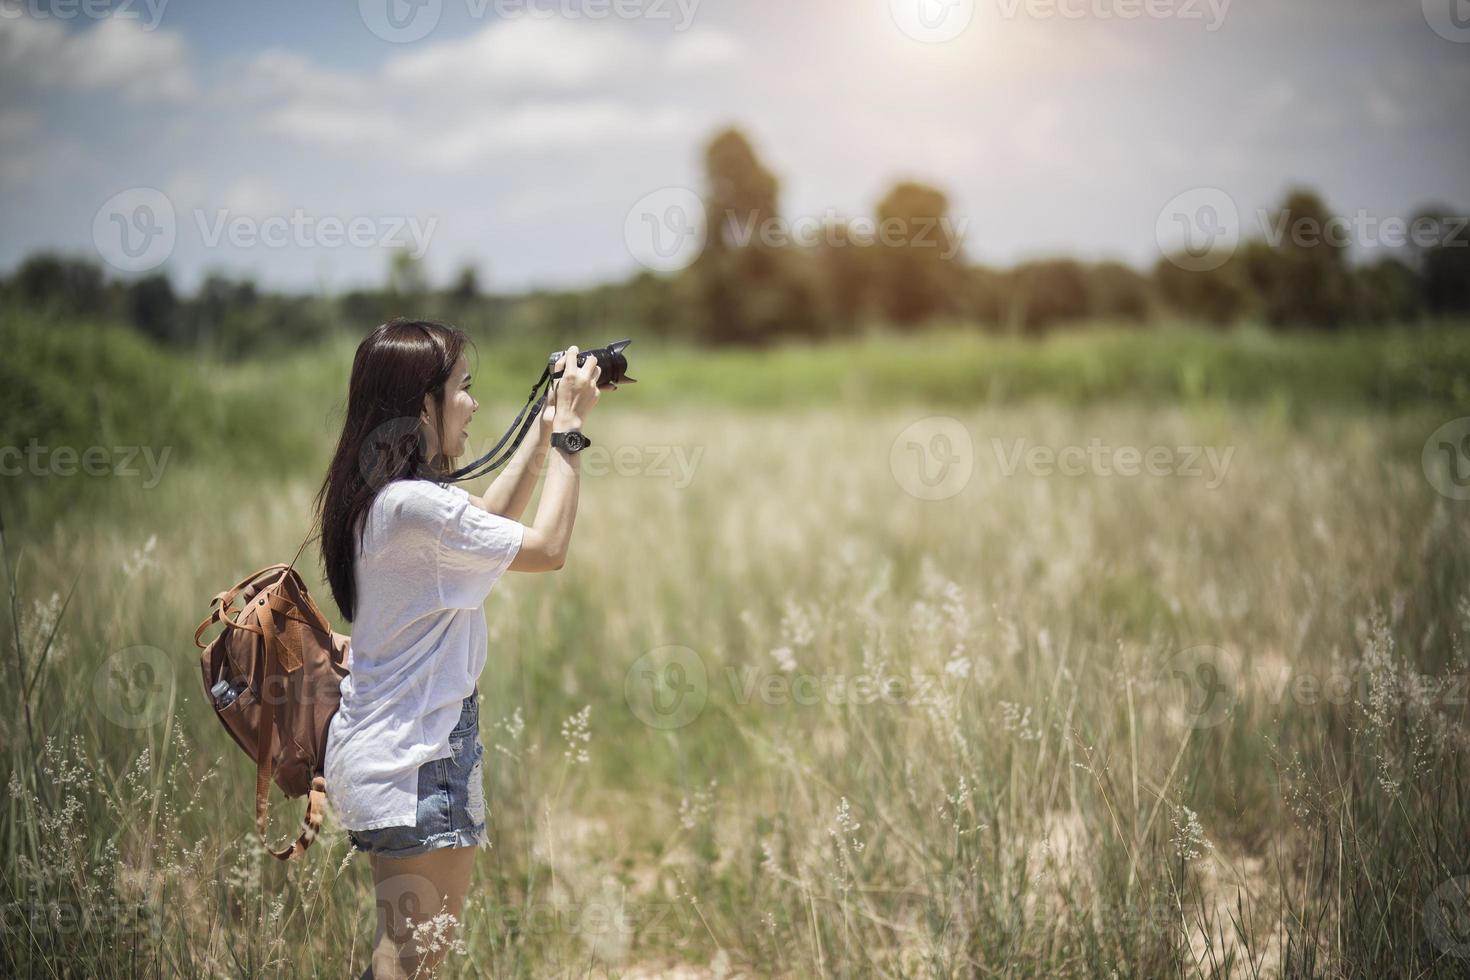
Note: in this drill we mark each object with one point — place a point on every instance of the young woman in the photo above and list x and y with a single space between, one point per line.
410 561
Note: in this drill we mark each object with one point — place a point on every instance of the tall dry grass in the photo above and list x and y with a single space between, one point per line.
781 716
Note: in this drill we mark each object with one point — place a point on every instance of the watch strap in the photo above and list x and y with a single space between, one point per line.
559 440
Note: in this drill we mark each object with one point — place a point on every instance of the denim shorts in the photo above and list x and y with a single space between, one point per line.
451 811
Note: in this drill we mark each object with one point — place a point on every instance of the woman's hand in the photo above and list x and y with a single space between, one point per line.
576 392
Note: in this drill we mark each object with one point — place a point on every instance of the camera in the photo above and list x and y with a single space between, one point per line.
610 359
614 366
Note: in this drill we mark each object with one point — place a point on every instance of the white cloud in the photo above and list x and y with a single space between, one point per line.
1267 106
334 126
252 195
540 127
20 133
703 50
32 154
276 73
28 43
547 81
1393 96
547 125
116 54
146 65
513 88
1383 109
519 54
190 190
529 117
538 202
17 126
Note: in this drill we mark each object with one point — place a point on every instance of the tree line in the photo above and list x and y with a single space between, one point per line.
1296 273
901 269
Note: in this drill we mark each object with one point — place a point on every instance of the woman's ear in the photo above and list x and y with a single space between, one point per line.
428 419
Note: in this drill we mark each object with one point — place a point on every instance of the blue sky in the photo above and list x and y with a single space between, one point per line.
517 135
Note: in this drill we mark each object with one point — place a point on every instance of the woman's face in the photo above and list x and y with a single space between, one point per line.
459 408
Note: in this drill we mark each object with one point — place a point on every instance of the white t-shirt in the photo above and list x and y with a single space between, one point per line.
429 557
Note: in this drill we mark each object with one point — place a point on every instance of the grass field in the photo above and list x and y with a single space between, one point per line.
890 661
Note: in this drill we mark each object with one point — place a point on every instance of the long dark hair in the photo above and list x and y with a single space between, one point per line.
382 439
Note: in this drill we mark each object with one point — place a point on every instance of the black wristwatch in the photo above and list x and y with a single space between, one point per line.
572 440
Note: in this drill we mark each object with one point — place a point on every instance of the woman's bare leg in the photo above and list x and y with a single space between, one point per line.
411 891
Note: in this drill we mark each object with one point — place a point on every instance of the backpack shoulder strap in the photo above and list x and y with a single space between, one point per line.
224 602
317 798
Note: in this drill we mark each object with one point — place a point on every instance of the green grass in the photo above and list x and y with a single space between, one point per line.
83 385
961 367
1021 807
70 381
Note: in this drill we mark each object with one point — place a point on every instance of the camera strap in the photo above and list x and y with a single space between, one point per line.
484 464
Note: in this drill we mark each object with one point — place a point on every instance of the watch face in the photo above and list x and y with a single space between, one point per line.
575 440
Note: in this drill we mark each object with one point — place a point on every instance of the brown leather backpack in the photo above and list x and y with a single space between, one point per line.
274 679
